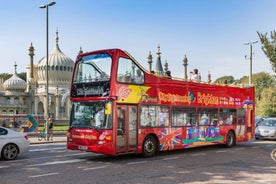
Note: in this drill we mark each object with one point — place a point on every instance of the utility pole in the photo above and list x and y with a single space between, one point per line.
250 62
46 6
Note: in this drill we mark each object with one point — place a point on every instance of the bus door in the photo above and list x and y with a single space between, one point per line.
126 130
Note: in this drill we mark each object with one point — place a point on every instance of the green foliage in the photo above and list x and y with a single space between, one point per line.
262 81
225 80
22 75
266 106
5 76
269 47
56 128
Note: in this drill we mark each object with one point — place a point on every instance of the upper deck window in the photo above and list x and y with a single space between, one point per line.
95 67
129 72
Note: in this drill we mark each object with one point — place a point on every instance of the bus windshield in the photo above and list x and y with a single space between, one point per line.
96 67
91 115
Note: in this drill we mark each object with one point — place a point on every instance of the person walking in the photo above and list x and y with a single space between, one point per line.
51 126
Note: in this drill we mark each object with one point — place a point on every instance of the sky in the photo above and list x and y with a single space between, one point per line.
211 33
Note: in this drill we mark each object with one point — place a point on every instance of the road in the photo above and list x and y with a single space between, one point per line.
249 162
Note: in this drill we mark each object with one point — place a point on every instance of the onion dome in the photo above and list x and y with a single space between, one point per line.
60 68
15 83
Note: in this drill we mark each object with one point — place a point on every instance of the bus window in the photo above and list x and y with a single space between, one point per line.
90 114
121 121
241 116
227 116
207 116
154 116
183 116
91 68
129 72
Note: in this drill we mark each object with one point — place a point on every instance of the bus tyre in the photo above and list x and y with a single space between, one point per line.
150 147
230 139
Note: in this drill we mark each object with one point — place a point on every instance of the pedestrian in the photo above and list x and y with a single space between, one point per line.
51 126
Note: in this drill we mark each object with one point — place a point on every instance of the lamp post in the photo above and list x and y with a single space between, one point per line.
250 57
47 66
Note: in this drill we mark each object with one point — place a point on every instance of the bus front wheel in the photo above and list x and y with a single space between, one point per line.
150 147
230 139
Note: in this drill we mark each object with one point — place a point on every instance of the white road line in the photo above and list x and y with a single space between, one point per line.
140 162
170 158
56 162
41 175
236 149
199 154
46 149
94 168
221 151
254 147
1 167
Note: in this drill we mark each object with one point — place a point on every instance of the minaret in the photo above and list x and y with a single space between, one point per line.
159 69
15 68
185 63
80 51
166 66
209 78
31 83
150 61
31 54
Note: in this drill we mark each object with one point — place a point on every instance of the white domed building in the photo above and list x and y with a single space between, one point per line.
13 95
31 95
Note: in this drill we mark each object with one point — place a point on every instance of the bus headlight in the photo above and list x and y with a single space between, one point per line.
100 142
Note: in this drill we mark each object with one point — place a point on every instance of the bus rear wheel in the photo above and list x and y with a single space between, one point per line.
150 147
230 139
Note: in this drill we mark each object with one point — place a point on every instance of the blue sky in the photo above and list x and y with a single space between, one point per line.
211 33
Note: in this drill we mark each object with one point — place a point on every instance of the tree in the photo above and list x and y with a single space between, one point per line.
23 76
267 105
6 76
225 80
269 47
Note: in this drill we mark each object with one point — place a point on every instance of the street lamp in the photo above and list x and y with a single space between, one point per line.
250 57
47 66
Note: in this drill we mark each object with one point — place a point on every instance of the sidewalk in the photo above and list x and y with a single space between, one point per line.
58 137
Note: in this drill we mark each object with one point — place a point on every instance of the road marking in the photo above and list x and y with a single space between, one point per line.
237 149
1 167
221 151
56 162
199 154
273 154
41 175
46 149
94 168
140 162
170 158
254 147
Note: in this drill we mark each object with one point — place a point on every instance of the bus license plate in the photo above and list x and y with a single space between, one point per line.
82 147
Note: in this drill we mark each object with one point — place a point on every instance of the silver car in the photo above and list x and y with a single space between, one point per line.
12 143
266 129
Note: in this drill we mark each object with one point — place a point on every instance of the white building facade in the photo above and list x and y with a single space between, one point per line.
29 97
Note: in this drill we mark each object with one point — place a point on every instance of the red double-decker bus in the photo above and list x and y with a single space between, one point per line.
119 107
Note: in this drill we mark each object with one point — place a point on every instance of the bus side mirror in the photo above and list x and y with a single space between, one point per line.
107 108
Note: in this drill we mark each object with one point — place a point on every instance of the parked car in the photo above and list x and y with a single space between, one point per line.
266 129
259 119
12 143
